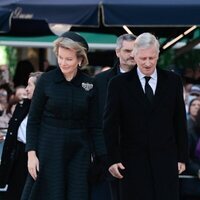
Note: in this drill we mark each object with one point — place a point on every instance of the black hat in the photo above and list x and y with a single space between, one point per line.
76 38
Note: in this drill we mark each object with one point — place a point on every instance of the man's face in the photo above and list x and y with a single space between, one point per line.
124 55
146 60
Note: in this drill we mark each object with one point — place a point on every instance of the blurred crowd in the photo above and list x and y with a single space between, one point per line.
13 90
190 185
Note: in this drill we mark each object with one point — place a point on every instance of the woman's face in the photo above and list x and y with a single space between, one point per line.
194 108
30 87
67 61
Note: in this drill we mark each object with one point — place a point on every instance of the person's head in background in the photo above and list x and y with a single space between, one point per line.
3 96
71 51
124 47
193 108
4 74
20 93
193 93
32 81
146 53
45 65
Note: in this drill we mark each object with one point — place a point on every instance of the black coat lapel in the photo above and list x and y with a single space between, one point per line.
160 88
111 73
135 87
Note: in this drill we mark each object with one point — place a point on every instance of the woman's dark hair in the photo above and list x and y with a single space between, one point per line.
195 99
23 69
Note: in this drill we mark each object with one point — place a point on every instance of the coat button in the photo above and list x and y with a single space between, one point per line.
15 119
10 133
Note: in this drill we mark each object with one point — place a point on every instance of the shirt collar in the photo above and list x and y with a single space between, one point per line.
141 75
122 70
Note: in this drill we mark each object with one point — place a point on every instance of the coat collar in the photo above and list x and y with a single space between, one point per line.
161 88
135 85
77 80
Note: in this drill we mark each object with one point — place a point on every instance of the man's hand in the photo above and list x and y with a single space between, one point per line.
114 170
181 167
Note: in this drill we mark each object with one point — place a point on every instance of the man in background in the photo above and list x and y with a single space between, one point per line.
125 62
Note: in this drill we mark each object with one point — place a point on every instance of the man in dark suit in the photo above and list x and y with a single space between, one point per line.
125 63
145 127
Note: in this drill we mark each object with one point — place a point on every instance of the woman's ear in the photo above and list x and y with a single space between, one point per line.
80 62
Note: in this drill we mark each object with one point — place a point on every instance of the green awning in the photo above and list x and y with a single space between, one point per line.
95 41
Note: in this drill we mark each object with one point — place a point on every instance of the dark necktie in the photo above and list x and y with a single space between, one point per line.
148 89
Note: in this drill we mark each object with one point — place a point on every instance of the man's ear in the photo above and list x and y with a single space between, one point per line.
117 51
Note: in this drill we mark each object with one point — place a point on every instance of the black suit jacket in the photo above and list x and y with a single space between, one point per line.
102 81
10 145
151 136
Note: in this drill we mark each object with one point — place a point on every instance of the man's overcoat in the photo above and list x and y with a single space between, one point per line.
153 137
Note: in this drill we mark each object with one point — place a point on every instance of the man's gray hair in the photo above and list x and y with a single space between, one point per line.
145 40
122 38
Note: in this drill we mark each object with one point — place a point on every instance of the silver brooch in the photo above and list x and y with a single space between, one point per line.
87 86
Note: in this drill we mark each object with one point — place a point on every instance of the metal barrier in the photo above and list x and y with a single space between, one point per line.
187 176
4 189
189 186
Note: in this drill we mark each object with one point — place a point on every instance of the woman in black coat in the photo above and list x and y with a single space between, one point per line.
194 136
61 124
190 188
13 168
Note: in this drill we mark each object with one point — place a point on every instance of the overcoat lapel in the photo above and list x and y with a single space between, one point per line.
160 89
135 86
111 74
